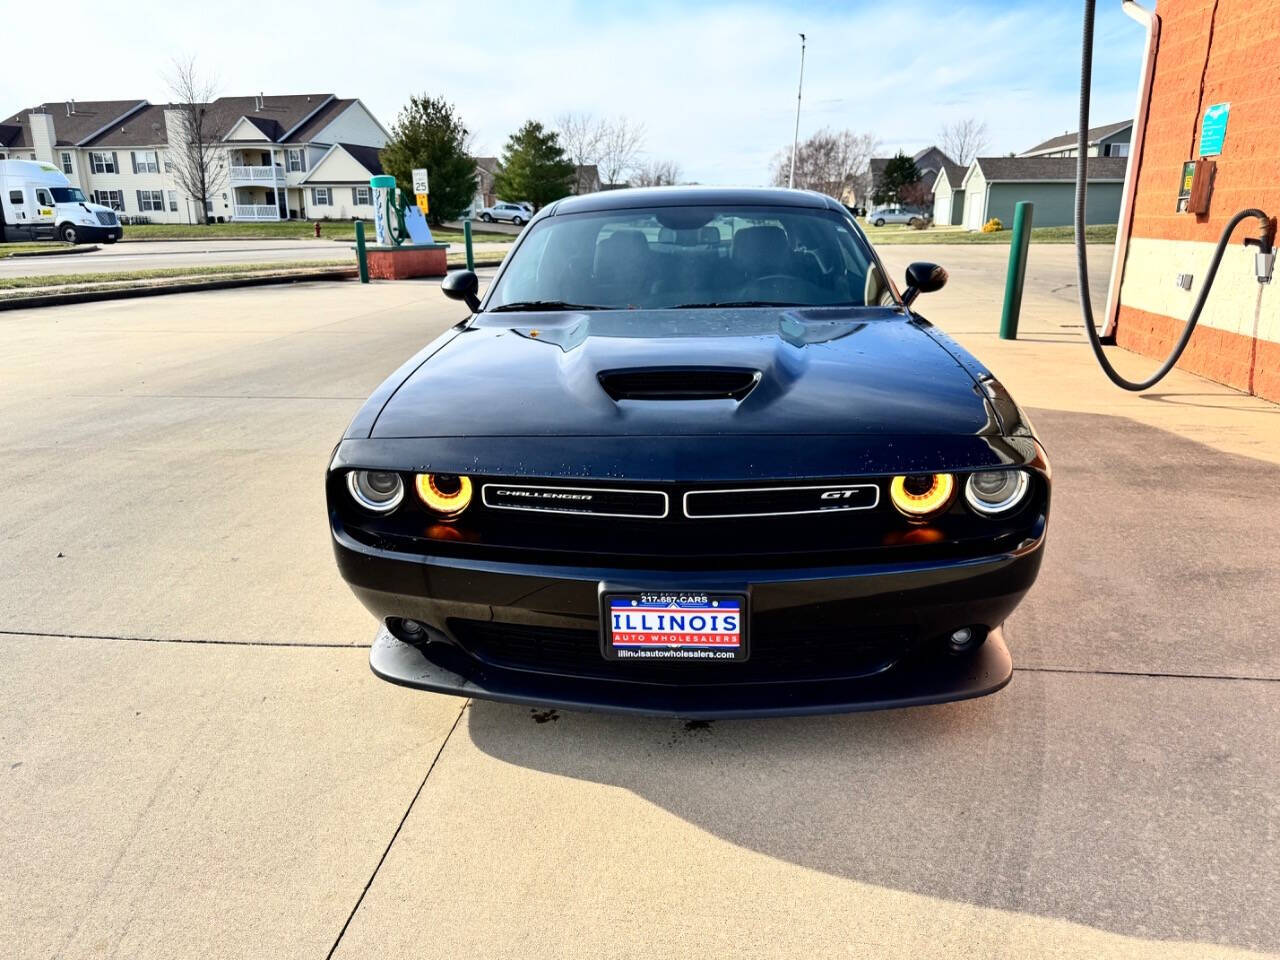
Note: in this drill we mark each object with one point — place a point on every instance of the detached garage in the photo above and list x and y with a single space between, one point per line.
993 186
948 195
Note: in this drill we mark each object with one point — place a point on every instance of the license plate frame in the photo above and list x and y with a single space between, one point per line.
643 638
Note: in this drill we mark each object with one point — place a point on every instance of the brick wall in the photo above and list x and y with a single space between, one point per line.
1210 51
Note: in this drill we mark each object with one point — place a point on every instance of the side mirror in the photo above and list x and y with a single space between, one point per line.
923 278
462 285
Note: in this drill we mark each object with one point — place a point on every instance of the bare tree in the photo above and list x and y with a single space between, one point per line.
581 136
199 166
963 140
620 145
830 162
656 173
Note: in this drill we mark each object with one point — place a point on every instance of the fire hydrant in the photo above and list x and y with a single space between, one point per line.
317 230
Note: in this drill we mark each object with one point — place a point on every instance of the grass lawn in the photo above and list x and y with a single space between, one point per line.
284 230
47 246
164 273
900 233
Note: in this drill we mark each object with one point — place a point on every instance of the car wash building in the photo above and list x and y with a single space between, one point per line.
1206 144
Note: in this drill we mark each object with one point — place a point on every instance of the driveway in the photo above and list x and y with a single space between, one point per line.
195 760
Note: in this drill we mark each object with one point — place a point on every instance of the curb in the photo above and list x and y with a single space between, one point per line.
238 239
64 252
128 293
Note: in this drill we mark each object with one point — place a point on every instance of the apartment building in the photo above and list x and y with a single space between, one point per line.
297 156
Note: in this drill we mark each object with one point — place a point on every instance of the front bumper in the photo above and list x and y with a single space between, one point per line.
840 638
96 233
443 668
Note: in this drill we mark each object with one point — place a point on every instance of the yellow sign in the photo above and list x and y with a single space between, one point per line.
422 203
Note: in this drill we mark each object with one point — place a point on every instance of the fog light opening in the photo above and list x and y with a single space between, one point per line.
409 631
965 639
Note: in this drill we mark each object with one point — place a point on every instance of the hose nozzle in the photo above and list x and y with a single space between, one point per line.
1264 261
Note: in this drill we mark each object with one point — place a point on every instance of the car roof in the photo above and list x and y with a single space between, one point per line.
692 197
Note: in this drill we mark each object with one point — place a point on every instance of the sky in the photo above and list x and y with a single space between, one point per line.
713 83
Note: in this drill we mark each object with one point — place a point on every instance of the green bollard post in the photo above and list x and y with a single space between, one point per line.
466 239
1022 216
361 259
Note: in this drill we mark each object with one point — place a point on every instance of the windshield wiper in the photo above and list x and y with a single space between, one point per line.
517 306
738 303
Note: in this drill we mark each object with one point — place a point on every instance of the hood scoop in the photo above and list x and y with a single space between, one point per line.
679 383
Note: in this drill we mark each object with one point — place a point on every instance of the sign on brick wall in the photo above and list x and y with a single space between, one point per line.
1213 129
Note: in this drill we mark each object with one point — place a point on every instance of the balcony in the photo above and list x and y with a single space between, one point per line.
255 211
261 174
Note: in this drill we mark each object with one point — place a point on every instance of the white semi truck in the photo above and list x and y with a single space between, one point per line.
38 202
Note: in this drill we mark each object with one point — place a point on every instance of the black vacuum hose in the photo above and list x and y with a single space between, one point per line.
1082 264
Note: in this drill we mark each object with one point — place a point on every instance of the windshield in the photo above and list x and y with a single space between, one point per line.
701 256
67 195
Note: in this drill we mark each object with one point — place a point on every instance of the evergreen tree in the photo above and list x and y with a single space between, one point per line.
900 174
430 134
534 167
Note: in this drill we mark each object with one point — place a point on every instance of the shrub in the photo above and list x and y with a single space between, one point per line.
992 226
924 223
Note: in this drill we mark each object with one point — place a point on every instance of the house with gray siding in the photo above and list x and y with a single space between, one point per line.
993 186
948 195
1108 140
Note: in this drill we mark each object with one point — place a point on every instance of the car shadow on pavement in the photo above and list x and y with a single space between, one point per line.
1125 780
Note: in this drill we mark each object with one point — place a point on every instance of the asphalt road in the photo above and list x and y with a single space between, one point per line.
195 760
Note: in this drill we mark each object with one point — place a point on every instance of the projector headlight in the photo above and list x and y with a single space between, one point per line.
921 495
378 490
996 491
446 494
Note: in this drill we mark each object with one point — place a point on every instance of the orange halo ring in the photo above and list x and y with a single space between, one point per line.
447 505
920 505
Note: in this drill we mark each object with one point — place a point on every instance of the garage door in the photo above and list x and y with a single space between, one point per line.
942 208
973 209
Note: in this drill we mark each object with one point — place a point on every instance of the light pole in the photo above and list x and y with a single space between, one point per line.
791 179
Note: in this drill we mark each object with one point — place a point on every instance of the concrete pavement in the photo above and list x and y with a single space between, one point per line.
194 758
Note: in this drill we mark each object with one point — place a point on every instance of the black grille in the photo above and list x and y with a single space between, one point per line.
775 655
780 501
591 501
679 383
106 218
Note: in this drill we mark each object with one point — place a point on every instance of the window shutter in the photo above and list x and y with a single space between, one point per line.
115 162
133 159
140 206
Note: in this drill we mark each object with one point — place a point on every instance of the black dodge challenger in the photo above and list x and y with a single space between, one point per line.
692 453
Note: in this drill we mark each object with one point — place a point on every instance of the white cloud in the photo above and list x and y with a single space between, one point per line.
715 86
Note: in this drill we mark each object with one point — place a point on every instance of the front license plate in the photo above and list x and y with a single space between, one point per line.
684 625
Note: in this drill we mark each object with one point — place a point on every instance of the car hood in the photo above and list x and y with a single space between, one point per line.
864 371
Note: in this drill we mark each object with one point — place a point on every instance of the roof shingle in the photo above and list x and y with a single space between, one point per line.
1068 140
1048 169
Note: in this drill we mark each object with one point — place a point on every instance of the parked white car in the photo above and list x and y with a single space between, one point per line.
517 213
38 202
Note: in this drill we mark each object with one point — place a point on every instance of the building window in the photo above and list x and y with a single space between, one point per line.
66 162
103 162
150 200
168 164
320 196
173 201
1118 150
297 161
109 198
362 195
144 161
